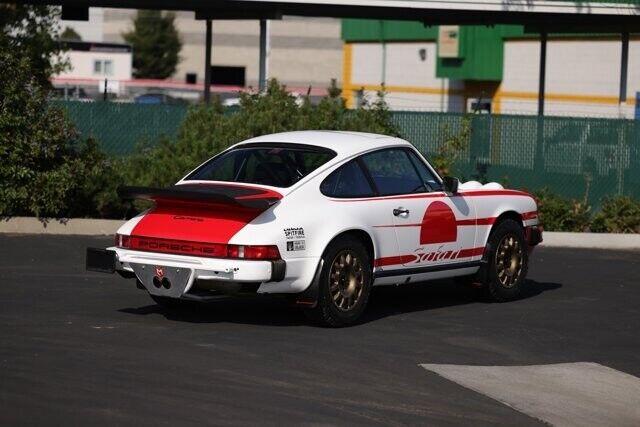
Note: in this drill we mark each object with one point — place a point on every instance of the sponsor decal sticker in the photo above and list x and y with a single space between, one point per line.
294 233
295 245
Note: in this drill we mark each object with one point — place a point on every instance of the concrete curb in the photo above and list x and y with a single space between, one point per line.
97 227
77 226
556 239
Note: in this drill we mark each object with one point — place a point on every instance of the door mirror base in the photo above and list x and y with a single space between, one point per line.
450 185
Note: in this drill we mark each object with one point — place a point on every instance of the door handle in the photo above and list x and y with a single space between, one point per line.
400 211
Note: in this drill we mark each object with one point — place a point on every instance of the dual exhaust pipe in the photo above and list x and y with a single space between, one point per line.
164 282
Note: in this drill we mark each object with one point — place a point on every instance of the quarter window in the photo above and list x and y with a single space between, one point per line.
346 182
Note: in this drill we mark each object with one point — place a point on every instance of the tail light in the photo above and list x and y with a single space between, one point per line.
253 252
213 250
122 241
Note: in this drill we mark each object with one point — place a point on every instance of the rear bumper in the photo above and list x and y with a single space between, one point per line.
181 272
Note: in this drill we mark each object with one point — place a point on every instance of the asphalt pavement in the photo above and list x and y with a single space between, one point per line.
82 348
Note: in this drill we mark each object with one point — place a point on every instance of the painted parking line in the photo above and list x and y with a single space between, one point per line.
565 394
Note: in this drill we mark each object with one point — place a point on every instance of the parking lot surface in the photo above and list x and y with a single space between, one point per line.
82 348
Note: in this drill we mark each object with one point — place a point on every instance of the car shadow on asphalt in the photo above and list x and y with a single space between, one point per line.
385 301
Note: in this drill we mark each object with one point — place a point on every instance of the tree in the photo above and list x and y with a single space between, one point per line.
70 34
31 32
156 44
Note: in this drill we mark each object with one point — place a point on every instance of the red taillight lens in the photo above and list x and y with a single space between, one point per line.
122 241
253 252
261 252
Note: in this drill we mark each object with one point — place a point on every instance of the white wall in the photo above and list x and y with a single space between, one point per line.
304 51
583 77
82 65
410 81
90 30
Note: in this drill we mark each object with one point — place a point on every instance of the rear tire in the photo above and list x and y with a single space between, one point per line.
345 283
502 278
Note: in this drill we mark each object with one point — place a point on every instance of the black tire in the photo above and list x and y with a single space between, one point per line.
503 277
343 302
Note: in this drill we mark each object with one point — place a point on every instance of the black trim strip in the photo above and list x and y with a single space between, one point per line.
278 270
426 269
195 193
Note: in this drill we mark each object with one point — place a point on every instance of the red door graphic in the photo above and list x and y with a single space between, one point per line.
432 225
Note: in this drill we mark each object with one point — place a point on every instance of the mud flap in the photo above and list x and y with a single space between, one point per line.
309 298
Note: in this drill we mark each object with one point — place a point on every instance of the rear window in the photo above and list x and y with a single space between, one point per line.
277 165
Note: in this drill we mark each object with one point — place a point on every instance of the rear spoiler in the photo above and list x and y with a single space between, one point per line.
244 197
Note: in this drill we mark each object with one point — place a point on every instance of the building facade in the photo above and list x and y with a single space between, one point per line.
486 69
303 51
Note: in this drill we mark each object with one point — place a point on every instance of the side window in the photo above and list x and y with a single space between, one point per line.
425 174
393 172
347 181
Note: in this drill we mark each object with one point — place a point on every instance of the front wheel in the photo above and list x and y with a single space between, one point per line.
345 283
507 261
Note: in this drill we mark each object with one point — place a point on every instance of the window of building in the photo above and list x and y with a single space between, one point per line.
103 67
225 75
108 68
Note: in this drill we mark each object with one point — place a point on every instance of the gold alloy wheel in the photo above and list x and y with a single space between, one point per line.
346 280
509 259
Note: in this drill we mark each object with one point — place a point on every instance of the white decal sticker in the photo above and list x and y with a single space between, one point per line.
295 245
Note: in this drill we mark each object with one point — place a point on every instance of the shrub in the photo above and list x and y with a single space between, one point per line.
451 147
619 214
45 169
206 130
560 214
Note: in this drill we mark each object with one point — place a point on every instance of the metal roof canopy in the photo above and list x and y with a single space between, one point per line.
539 16
616 15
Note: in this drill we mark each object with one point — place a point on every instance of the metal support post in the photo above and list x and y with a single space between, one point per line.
264 54
207 64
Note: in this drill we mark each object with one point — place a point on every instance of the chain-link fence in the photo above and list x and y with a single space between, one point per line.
120 127
575 157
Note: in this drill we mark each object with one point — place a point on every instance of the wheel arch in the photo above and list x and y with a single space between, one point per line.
510 214
361 235
507 214
309 297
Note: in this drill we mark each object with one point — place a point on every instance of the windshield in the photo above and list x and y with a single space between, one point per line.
277 165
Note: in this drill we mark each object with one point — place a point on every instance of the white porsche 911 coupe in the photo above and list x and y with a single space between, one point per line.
321 216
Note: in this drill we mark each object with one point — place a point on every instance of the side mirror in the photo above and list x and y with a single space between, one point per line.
450 184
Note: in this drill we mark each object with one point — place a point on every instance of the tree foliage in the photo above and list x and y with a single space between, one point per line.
46 170
451 146
156 44
32 32
70 34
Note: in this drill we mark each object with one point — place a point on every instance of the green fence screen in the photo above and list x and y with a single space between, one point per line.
575 157
571 156
120 127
